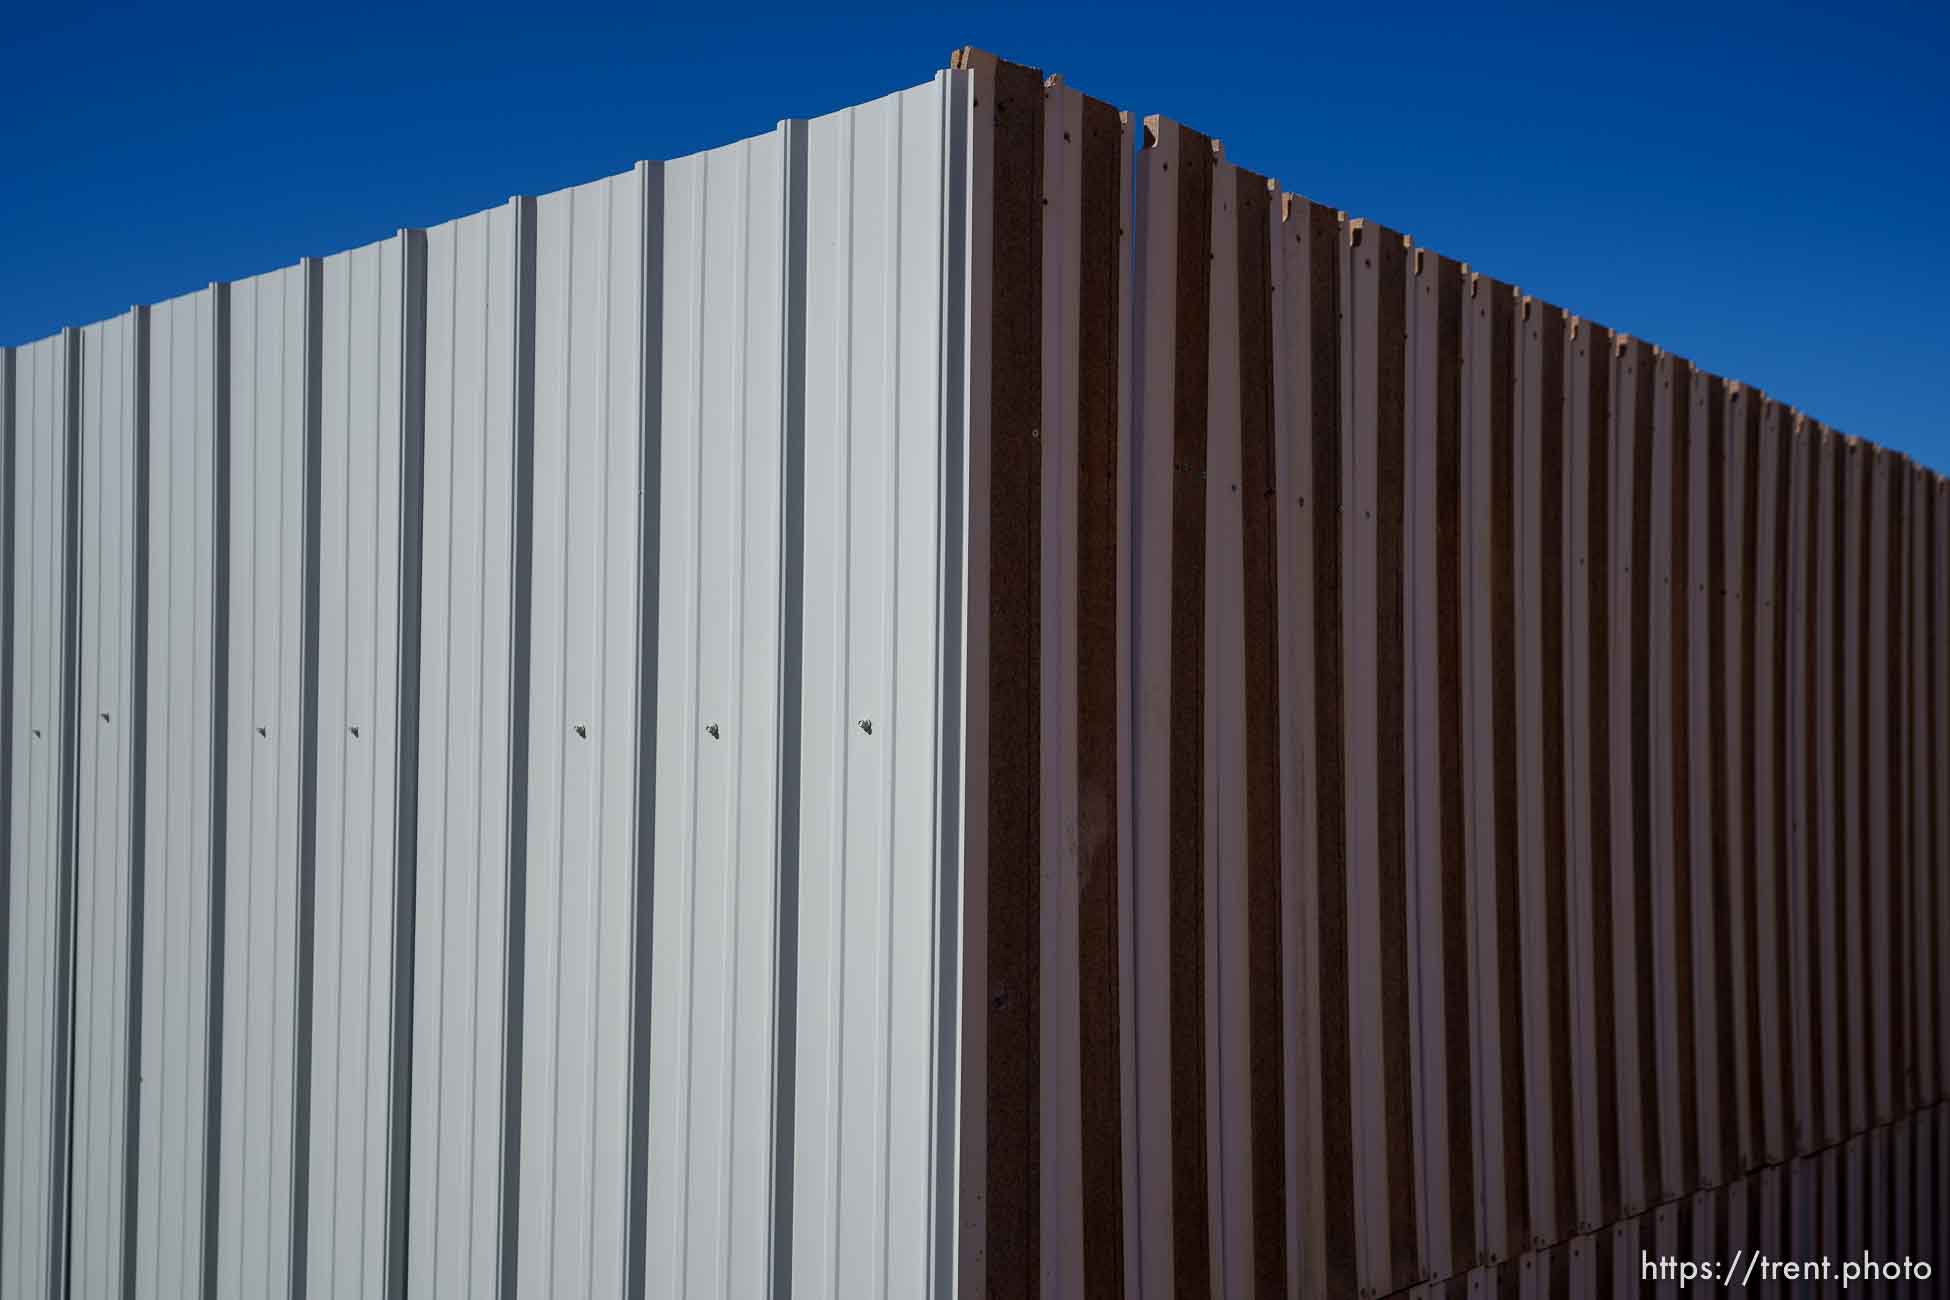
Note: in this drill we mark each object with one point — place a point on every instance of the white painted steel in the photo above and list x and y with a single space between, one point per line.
720 623
690 619
31 1193
270 379
467 645
103 901
878 693
178 764
362 317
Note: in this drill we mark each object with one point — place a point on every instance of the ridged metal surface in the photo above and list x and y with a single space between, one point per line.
511 847
935 703
1531 799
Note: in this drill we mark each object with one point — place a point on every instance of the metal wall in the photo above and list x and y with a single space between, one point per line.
1528 843
941 701
482 797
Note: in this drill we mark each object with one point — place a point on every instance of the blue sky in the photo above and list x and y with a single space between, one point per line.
1763 190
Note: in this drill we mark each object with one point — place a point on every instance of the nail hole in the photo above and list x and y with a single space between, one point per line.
866 725
582 729
713 729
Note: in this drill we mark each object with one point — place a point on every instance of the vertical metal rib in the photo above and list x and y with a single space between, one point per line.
138 804
306 972
406 757
517 902
791 710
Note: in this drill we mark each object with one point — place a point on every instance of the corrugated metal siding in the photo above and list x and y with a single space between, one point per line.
931 703
1595 772
522 662
41 529
178 772
113 366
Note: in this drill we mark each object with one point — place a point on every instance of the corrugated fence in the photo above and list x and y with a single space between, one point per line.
1527 841
938 702
479 737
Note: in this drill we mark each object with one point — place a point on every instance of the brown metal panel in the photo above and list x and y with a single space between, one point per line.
1326 1234
1541 800
1803 821
1880 701
1900 1240
1080 1154
1059 978
1154 286
1587 525
1373 368
1856 851
1705 864
1307 407
1920 904
1741 910
1013 815
1771 1238
1767 606
1102 489
1939 744
1671 1238
1174 203
1440 938
1227 1017
1622 1260
1892 957
1490 722
1635 1034
1259 250
1671 955
1829 807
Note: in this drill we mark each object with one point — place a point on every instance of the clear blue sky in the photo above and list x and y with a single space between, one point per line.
1765 190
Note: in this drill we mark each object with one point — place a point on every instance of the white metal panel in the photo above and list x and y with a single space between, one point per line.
871 855
35 1043
720 604
582 760
467 644
105 726
269 380
359 515
178 761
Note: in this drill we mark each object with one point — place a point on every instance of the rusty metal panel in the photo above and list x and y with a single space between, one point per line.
1586 577
1228 1059
1541 777
1439 915
1830 798
1379 996
1490 436
1737 896
1309 418
1632 848
1771 749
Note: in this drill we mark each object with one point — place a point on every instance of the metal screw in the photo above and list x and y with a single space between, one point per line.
713 729
582 729
355 731
866 725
